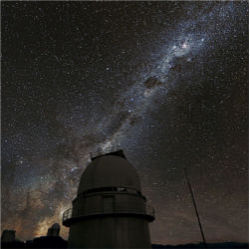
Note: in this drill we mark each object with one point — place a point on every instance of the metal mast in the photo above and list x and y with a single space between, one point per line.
195 207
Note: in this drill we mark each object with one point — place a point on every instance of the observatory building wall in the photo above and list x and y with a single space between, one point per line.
109 210
108 232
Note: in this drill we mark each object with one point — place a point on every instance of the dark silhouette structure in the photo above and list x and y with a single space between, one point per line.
8 240
52 240
47 242
8 236
54 230
109 210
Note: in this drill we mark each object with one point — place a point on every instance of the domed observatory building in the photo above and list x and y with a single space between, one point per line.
109 210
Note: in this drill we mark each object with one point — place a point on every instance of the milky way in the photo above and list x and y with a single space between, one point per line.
165 81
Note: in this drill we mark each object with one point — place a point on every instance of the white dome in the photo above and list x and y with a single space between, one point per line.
109 171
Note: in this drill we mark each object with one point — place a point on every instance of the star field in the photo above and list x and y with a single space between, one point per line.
165 81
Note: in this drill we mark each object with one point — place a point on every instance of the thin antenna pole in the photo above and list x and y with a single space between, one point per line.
195 207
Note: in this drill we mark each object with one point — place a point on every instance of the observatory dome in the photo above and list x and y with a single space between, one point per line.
109 171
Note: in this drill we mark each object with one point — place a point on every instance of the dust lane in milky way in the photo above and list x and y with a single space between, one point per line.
165 81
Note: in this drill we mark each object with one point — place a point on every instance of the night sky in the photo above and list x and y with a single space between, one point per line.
165 81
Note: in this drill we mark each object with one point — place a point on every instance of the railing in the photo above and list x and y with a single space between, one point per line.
67 214
149 211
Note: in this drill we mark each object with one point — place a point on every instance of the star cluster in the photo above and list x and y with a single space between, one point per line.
165 81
